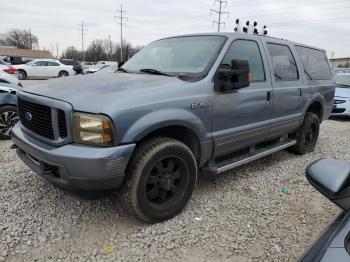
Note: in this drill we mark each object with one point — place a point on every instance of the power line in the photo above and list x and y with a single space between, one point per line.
219 12
82 32
121 19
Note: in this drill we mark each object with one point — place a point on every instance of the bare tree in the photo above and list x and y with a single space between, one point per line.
23 39
71 53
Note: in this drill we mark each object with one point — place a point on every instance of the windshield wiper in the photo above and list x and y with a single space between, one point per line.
343 85
154 72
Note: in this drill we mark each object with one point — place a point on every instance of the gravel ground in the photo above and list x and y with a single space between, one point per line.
242 215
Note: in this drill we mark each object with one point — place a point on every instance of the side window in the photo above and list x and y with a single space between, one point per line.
246 50
40 63
52 64
283 62
315 63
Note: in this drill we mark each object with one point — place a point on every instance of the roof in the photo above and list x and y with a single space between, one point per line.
232 35
25 53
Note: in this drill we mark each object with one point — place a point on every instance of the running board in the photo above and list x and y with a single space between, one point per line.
227 164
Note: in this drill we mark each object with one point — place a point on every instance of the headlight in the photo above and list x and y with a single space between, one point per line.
93 129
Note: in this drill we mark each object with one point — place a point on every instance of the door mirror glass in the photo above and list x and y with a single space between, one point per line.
332 179
235 76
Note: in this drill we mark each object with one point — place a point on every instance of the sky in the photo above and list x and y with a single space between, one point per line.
320 23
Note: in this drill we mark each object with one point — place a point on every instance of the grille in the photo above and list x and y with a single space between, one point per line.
62 124
337 101
40 122
338 110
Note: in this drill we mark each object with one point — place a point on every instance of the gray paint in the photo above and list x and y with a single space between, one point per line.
139 104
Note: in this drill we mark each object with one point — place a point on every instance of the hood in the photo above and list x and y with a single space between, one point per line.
105 92
342 92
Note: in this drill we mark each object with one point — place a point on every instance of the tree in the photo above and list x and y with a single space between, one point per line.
71 53
22 39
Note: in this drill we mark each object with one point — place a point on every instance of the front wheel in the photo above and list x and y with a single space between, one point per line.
160 179
8 118
307 135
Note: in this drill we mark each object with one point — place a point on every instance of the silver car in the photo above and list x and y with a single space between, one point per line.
341 105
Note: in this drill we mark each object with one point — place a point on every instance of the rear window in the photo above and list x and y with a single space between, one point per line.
315 63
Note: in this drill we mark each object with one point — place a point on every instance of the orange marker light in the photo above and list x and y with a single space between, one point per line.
106 124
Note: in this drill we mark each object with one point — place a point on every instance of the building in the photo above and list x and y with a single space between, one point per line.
340 62
24 53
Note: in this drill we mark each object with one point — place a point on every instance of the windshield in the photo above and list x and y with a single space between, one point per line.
343 80
180 56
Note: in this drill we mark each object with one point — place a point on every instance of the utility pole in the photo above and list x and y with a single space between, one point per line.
121 17
82 31
219 12
57 54
30 38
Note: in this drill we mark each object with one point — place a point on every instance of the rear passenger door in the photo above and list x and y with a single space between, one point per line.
241 117
287 89
52 69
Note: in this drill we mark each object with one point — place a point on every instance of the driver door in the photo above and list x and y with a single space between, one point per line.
241 117
38 69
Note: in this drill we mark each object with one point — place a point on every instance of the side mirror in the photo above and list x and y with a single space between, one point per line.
234 77
332 179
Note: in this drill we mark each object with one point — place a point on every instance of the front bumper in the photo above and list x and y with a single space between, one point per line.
341 107
73 166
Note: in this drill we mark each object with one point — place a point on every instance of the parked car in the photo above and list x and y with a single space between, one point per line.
44 68
108 69
94 68
8 109
341 70
76 65
181 105
86 65
9 78
332 179
16 60
107 62
341 105
8 68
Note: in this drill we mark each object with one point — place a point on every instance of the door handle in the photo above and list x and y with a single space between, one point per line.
269 96
300 92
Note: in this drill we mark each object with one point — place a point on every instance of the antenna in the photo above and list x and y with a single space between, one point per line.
220 13
82 31
121 19
237 26
265 32
246 28
256 31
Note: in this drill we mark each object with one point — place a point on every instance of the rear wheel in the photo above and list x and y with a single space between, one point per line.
63 74
161 179
22 75
307 135
8 118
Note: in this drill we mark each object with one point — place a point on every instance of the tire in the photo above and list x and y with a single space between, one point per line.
63 74
8 118
161 178
307 135
22 75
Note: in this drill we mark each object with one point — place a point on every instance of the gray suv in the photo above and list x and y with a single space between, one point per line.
203 103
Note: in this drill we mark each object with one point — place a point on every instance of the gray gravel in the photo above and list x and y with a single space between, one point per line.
242 215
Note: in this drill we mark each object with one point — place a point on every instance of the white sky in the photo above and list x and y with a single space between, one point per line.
321 23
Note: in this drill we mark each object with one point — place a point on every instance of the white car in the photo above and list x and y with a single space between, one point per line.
95 68
341 105
44 68
9 78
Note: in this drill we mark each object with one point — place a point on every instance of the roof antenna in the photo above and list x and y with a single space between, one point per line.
256 31
246 29
265 32
237 26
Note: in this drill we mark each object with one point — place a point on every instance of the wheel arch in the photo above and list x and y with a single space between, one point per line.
316 106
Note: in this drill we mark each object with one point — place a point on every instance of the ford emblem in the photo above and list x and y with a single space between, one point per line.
28 116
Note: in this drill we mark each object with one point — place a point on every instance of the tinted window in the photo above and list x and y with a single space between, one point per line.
315 63
40 63
52 64
246 50
283 62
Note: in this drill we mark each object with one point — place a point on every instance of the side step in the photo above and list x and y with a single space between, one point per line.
254 154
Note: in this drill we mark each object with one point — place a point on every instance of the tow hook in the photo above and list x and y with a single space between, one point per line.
14 146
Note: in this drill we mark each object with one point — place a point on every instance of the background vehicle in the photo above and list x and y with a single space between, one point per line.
8 68
341 70
44 68
8 109
9 78
332 179
76 65
94 68
342 95
107 62
108 69
208 102
15 60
